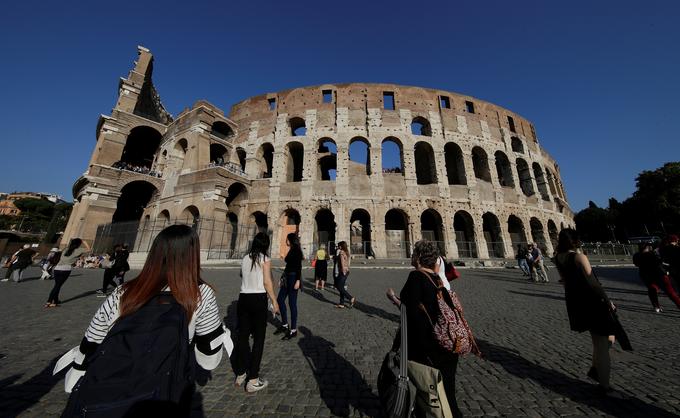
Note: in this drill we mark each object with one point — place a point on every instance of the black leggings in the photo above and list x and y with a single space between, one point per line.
251 311
60 277
109 276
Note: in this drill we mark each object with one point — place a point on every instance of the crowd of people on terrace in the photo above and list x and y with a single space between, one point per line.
394 170
122 165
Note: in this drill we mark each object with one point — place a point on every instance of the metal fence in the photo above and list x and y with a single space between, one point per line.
220 239
467 249
608 250
495 249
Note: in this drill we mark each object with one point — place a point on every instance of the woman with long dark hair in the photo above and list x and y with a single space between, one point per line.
588 307
170 276
289 285
341 280
76 248
251 309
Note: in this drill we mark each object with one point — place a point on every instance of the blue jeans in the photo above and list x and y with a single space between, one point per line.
288 291
524 265
340 282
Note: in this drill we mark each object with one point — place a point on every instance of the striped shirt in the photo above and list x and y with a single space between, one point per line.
206 319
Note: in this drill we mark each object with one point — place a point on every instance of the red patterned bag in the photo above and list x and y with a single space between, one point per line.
451 329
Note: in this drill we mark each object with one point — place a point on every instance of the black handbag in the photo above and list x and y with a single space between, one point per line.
397 393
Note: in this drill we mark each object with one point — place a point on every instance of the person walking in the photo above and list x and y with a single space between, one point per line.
76 248
321 268
251 309
670 255
538 273
341 280
118 266
288 287
123 264
169 304
47 266
522 255
19 262
654 276
588 306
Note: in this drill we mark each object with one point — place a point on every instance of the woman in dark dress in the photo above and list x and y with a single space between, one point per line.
588 307
289 286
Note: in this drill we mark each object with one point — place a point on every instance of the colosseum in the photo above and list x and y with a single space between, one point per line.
377 165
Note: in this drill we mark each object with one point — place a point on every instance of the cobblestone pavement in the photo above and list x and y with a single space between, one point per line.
534 365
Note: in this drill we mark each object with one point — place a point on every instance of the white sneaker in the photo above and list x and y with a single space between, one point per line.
258 385
4 280
240 379
658 310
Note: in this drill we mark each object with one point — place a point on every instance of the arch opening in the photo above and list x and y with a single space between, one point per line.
360 233
392 156
359 156
432 229
297 127
260 220
552 233
421 126
540 182
190 215
480 164
324 232
218 154
134 198
464 228
492 234
504 170
221 130
289 223
516 145
295 159
164 217
327 160
538 235
140 148
241 154
455 165
265 155
396 234
426 171
525 182
551 181
518 236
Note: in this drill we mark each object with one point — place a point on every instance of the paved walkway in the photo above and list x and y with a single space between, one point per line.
534 365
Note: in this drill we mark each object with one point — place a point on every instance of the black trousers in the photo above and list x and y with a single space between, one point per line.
109 275
448 371
251 311
60 277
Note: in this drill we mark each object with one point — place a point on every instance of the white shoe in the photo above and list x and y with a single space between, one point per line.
658 310
240 380
256 386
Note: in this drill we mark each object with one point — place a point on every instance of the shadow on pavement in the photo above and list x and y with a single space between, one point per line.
16 398
574 389
341 385
79 296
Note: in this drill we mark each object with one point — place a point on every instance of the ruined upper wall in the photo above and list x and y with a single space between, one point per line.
358 98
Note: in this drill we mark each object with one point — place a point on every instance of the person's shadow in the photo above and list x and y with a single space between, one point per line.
574 389
340 384
15 398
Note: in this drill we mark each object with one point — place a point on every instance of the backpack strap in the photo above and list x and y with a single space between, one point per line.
403 357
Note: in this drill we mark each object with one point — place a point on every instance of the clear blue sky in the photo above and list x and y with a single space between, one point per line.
598 79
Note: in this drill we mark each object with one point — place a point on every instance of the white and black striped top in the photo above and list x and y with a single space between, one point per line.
205 325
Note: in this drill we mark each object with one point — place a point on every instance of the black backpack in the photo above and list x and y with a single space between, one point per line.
144 367
396 392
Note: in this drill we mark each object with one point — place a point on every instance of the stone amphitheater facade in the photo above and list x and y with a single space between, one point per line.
467 173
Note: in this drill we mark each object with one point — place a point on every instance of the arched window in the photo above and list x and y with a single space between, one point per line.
518 236
297 127
426 171
504 170
392 156
492 235
517 145
396 234
432 228
480 164
140 147
540 181
134 198
218 154
359 156
241 154
164 217
221 130
464 227
421 126
324 233
360 233
190 215
524 173
295 158
455 166
552 233
265 157
538 236
327 160
551 181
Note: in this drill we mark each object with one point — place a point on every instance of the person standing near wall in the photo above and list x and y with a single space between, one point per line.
538 273
321 268
289 285
76 248
251 309
522 255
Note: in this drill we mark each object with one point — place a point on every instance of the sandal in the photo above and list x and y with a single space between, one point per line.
339 306
351 304
51 305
